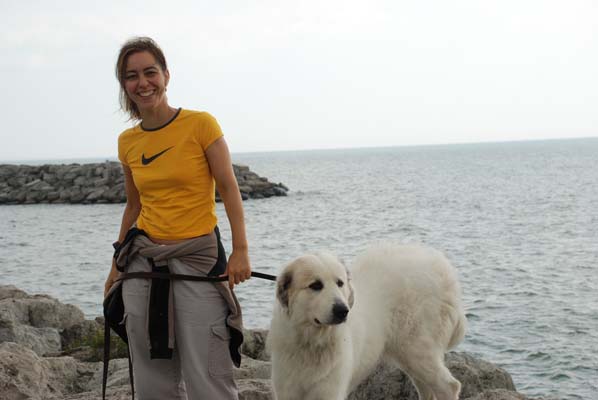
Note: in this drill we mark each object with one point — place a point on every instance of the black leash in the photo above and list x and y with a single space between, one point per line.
157 275
263 276
182 277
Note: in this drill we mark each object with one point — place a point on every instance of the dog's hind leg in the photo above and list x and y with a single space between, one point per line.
432 378
445 386
442 383
441 387
422 389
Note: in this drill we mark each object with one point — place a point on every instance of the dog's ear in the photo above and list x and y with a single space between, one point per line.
282 289
350 287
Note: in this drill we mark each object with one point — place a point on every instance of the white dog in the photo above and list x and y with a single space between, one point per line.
401 305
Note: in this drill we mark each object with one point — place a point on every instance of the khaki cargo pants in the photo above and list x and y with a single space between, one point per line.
201 367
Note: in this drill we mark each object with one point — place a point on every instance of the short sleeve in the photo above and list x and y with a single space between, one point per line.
209 130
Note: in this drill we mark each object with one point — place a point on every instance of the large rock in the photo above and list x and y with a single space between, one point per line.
25 375
251 368
385 383
498 394
254 344
35 321
41 340
118 375
11 292
254 389
75 335
97 183
476 376
116 393
22 375
69 375
40 322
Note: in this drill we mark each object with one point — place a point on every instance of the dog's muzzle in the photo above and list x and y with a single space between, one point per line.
339 313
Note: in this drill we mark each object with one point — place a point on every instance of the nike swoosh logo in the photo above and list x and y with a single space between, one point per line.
146 161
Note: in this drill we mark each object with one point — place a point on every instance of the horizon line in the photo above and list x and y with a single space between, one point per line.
115 157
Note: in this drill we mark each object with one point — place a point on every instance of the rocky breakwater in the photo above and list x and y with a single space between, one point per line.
49 351
97 183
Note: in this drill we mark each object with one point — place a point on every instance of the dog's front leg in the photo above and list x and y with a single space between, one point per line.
330 390
329 394
288 391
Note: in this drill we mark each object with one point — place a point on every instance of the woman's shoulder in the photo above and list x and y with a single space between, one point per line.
127 133
206 128
197 114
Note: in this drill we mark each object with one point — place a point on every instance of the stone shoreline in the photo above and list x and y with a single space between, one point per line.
97 183
49 351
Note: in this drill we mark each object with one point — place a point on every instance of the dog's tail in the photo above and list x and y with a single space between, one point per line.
459 329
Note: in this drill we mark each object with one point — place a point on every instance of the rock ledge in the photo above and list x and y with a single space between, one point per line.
97 183
43 355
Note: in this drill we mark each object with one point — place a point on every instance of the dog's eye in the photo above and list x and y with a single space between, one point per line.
317 285
340 283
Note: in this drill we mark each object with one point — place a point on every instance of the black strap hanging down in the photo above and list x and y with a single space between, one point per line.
107 359
158 314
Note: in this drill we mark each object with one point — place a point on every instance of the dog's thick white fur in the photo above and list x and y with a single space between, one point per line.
401 304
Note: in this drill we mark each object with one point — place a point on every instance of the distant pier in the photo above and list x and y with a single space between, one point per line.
98 183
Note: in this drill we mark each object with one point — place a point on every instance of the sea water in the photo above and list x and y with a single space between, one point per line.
519 221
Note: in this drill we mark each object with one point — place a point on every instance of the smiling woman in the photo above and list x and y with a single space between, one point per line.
143 74
172 162
145 84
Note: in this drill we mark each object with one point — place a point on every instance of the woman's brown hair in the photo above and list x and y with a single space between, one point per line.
132 46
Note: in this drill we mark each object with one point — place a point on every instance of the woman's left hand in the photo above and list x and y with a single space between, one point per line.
238 268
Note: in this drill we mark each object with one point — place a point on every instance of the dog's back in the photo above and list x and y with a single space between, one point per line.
409 297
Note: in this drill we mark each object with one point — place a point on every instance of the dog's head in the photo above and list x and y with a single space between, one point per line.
316 289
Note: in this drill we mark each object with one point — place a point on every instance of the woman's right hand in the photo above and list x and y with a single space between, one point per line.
112 276
107 286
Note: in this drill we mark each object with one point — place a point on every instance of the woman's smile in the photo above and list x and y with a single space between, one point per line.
145 81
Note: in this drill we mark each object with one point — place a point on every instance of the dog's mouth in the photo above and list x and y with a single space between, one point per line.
333 322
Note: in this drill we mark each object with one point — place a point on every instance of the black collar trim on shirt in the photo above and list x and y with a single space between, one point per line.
178 111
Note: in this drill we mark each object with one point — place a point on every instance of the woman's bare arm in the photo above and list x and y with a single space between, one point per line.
130 214
238 268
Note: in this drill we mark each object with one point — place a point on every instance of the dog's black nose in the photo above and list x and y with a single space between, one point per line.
339 313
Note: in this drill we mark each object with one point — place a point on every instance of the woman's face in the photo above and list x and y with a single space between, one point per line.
145 81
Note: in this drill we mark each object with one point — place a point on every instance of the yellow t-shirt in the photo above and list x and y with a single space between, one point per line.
171 172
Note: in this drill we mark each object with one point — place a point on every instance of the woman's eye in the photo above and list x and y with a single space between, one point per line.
317 285
340 283
130 77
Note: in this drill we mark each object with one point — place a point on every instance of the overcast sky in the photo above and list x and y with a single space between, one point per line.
281 75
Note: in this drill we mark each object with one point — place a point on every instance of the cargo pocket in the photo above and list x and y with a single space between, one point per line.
219 361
